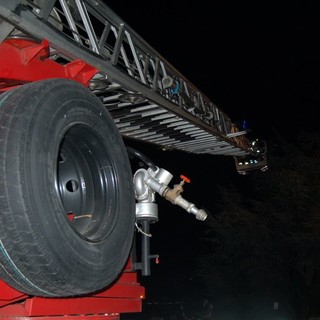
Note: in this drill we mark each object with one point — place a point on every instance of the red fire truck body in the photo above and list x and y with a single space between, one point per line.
75 82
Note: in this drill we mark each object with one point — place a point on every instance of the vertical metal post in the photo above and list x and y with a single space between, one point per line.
145 248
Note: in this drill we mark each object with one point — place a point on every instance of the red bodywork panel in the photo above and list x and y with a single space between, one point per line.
22 61
124 296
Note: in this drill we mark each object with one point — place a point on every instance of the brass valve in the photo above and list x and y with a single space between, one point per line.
172 194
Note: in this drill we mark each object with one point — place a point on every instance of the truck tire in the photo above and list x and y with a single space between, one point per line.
67 206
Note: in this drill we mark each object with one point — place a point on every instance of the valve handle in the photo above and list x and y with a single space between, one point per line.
185 179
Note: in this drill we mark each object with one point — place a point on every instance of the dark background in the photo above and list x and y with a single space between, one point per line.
257 61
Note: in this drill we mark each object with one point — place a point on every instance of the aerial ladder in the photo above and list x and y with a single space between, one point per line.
76 82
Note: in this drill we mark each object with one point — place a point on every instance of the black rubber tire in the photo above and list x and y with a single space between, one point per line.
67 207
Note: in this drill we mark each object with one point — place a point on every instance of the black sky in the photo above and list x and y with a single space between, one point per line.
256 60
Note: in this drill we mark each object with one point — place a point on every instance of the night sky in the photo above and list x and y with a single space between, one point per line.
258 61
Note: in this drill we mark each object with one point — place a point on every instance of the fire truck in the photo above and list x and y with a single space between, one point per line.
76 83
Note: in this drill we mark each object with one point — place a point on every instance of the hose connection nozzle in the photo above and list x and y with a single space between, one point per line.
174 196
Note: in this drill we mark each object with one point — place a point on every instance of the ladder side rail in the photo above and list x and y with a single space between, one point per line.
70 21
135 41
6 29
103 39
136 58
88 26
120 52
146 64
28 22
156 67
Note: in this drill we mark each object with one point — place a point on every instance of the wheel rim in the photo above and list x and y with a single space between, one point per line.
86 183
